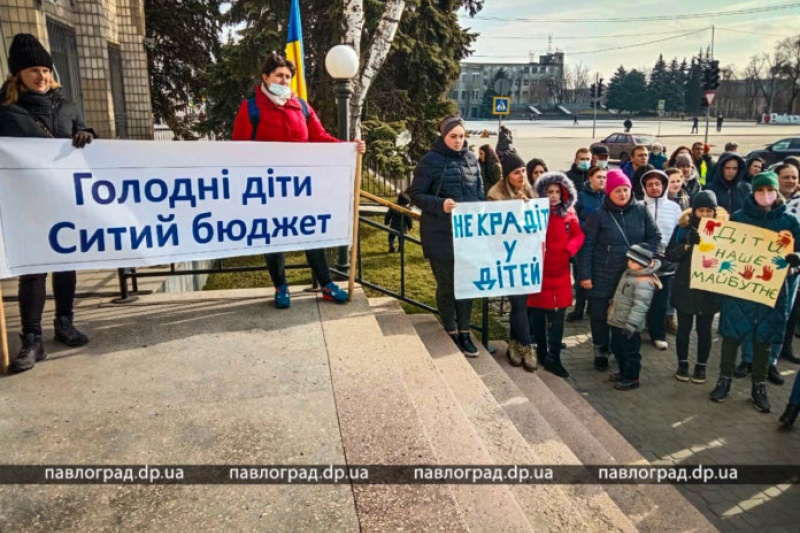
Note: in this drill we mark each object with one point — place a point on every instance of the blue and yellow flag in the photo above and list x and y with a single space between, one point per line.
294 51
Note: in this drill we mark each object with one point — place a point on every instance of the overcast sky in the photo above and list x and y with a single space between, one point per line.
737 37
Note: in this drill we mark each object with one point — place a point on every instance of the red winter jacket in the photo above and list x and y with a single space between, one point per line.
280 123
564 239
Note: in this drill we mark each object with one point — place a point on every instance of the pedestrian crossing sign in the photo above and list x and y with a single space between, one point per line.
501 105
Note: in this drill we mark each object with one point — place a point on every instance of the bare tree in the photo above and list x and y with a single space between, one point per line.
789 52
764 71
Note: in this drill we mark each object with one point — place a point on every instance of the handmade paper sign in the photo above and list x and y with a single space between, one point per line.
499 247
741 260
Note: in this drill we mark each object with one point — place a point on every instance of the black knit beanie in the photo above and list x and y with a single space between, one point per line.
705 199
25 52
511 162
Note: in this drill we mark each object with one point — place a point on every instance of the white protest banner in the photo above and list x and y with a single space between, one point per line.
137 203
499 247
740 260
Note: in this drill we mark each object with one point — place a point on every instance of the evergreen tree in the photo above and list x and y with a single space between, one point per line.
615 95
181 45
658 86
676 76
693 91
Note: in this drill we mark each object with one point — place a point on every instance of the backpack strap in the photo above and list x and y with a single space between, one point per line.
255 114
304 107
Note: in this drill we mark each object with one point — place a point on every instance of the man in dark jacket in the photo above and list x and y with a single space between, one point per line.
728 183
580 167
398 221
639 156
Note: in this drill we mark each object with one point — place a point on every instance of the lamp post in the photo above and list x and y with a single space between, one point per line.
341 62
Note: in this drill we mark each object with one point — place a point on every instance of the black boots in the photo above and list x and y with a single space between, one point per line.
722 389
66 333
553 364
31 352
742 369
600 358
774 375
464 343
790 415
759 397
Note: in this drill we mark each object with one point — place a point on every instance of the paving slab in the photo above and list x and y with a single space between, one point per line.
226 379
675 423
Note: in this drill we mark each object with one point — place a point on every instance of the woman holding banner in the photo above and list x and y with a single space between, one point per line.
515 186
275 114
449 173
32 104
747 321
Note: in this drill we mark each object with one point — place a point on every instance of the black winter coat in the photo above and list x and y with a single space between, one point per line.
52 109
730 194
578 177
682 298
602 258
443 173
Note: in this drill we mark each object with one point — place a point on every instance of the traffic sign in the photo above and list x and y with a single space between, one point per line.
502 87
710 95
661 105
501 105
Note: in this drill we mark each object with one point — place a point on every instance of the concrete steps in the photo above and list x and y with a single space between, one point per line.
380 425
594 441
452 435
498 410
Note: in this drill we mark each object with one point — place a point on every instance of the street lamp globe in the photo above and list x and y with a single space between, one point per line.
341 62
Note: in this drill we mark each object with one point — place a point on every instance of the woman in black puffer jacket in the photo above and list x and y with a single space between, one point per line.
448 174
33 105
620 223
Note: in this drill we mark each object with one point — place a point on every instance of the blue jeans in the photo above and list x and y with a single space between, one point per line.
794 398
627 353
657 315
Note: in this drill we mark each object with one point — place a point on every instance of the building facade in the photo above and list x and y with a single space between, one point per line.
99 57
537 84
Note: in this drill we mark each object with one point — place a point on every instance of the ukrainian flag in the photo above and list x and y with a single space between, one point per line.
294 51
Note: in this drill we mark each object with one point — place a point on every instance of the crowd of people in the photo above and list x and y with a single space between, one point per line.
618 251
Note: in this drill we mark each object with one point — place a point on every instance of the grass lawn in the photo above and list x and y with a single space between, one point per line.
379 267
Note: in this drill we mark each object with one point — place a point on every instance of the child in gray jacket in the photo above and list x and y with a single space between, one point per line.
627 314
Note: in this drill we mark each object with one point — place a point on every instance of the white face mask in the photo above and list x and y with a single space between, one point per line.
281 91
765 198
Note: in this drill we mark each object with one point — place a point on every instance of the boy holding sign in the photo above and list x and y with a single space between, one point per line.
748 321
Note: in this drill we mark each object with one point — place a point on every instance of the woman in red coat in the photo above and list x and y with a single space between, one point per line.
547 308
283 117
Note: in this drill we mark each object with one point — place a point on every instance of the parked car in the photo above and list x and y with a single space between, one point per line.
778 151
620 144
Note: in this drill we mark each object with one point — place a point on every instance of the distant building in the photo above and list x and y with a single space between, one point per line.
99 57
532 84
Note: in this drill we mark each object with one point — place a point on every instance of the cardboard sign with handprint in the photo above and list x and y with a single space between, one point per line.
740 260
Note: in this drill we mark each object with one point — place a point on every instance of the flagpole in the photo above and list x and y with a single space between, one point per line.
354 247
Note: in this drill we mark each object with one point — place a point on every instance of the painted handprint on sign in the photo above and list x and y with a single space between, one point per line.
711 225
783 239
748 272
766 273
727 266
710 263
779 262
